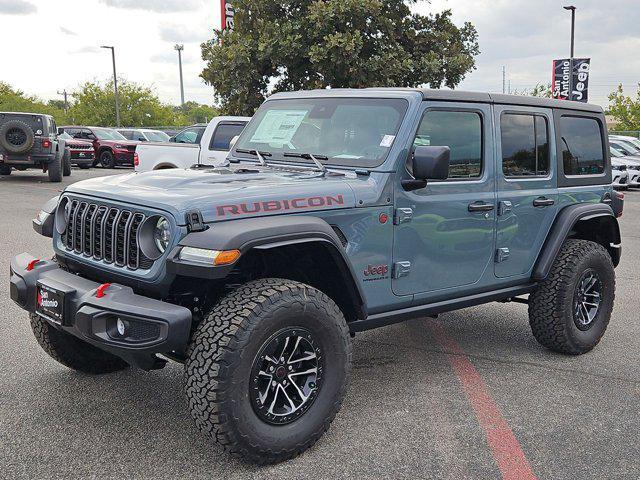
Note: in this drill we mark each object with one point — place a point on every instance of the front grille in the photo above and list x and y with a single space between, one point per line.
105 233
81 147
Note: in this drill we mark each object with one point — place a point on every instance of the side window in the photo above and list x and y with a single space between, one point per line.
461 131
72 131
88 135
223 135
582 146
138 135
525 145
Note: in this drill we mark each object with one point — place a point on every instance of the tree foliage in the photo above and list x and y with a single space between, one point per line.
94 104
539 90
304 44
13 100
625 109
193 112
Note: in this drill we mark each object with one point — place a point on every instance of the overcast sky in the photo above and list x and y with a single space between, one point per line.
47 45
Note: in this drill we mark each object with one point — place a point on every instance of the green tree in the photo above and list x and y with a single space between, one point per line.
94 104
304 44
626 110
193 112
13 100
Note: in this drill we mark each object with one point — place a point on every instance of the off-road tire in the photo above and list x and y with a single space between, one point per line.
18 125
73 352
5 170
107 159
66 163
551 306
54 169
224 347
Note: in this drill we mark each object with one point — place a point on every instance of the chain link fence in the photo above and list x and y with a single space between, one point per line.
626 133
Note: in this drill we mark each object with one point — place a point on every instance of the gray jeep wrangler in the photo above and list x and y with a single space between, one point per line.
30 140
338 211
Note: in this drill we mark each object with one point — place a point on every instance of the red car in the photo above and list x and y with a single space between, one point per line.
81 151
110 147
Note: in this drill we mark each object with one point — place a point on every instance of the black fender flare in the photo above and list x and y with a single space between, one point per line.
565 223
262 234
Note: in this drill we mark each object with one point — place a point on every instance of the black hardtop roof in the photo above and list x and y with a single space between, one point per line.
498 98
27 113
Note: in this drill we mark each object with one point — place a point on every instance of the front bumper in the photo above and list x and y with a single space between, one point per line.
153 326
82 157
123 157
634 178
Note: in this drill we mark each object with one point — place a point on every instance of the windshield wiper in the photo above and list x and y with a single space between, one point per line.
257 153
309 156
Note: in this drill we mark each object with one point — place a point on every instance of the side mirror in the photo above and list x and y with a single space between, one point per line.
233 142
60 131
429 163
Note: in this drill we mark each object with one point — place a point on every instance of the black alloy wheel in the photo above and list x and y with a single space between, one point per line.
286 376
587 298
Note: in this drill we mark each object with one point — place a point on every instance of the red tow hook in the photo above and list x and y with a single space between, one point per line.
100 290
32 264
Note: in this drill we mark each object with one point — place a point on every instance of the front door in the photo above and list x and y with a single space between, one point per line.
444 233
527 186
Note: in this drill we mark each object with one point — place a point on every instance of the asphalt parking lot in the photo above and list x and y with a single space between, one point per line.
469 395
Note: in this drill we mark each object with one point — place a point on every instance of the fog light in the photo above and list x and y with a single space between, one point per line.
122 328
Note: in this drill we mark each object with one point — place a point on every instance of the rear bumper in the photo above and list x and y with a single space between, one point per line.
153 326
25 160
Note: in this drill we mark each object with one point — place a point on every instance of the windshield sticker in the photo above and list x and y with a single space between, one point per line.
387 140
278 126
344 155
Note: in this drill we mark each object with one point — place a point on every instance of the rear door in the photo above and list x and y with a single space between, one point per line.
526 174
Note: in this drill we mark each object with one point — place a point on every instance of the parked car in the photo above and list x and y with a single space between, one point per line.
143 135
634 141
81 152
211 147
110 147
30 140
631 162
619 174
339 211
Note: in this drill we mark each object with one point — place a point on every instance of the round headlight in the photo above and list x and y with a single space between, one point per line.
162 234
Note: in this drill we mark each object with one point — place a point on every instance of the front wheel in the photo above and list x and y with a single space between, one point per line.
107 160
268 368
5 170
570 310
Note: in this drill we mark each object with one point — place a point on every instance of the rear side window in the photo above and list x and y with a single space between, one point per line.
525 145
461 131
223 135
582 146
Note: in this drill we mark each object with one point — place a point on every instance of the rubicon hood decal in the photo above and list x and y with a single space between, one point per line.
304 203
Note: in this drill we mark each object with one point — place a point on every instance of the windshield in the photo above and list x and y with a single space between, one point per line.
65 136
107 134
354 132
615 153
156 136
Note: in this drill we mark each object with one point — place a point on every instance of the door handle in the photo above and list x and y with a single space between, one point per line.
543 202
480 207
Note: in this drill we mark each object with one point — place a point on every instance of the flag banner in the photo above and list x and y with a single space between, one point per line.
226 10
561 86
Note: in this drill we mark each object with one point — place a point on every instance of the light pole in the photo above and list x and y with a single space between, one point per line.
573 27
180 48
115 82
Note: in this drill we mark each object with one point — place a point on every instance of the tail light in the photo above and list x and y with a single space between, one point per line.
618 203
136 161
46 143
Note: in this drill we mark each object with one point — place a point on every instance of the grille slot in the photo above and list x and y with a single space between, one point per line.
105 233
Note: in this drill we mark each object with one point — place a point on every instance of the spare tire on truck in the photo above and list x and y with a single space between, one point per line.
16 137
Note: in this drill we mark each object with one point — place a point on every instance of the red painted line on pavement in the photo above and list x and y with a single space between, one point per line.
503 443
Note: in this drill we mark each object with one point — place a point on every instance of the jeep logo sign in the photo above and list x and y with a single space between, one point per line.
226 9
575 79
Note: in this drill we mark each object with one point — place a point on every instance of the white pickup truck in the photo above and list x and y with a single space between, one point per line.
192 146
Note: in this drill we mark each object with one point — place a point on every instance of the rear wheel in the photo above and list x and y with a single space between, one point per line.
72 352
107 160
54 169
569 312
66 163
268 368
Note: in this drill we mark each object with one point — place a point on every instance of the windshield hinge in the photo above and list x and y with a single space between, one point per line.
194 221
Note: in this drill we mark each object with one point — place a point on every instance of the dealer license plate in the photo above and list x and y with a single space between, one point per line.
50 303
